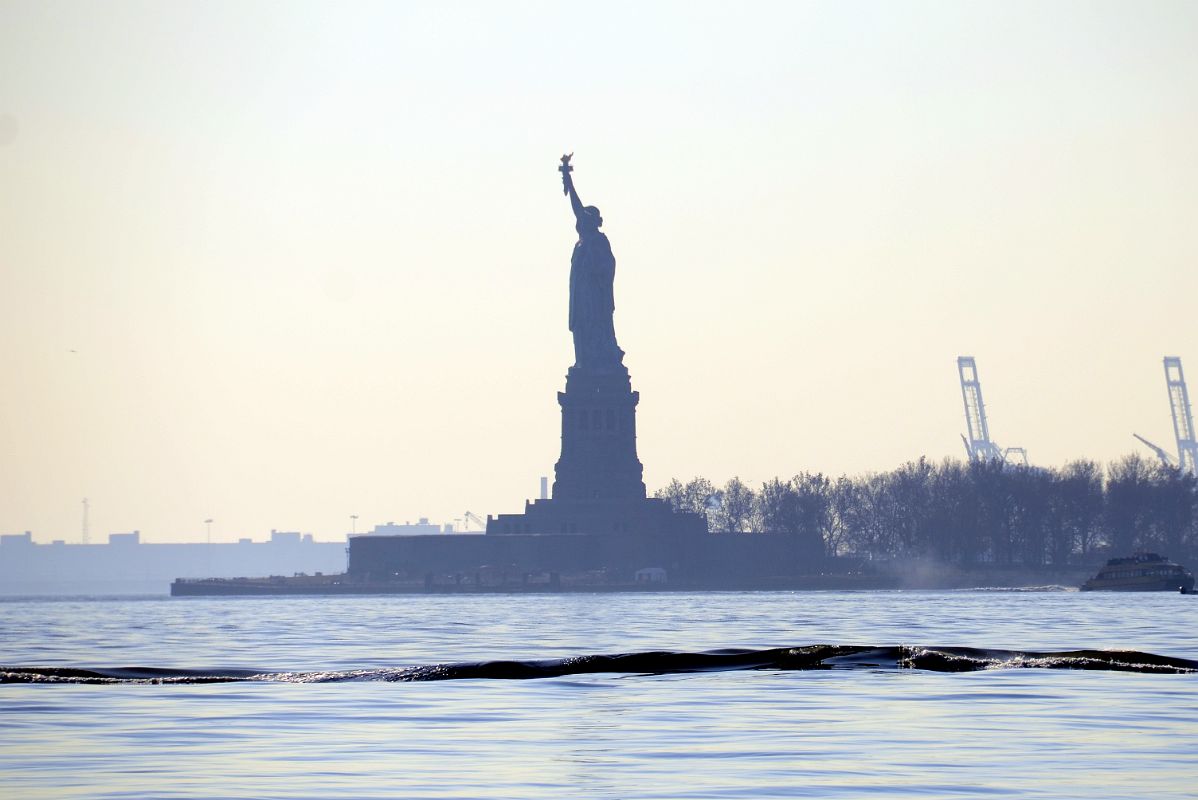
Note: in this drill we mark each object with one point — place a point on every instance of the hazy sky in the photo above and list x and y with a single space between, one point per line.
280 263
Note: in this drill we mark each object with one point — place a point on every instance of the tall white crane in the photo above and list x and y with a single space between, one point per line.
978 443
1183 419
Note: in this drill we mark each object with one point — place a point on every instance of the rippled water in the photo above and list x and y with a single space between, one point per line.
873 732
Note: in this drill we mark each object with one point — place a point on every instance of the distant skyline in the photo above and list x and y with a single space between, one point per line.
277 265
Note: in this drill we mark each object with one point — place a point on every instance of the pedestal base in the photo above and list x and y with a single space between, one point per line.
646 516
599 489
598 460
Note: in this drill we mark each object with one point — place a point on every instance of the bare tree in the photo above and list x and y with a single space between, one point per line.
965 513
736 507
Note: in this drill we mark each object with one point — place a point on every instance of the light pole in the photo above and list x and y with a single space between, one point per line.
353 524
208 529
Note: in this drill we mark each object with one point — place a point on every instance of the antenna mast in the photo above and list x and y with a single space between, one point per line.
85 537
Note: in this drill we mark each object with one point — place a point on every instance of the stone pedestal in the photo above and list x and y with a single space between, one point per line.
598 487
598 461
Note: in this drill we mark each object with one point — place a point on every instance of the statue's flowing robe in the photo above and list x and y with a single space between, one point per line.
592 302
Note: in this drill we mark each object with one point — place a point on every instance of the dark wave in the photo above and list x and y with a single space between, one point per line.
820 656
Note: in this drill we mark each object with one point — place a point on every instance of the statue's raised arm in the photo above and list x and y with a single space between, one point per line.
587 216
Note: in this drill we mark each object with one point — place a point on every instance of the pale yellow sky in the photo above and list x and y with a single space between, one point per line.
280 263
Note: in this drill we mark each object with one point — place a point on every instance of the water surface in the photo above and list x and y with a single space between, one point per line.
864 732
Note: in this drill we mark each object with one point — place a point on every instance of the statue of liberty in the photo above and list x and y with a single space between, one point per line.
592 273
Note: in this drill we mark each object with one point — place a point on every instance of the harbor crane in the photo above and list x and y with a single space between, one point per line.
978 444
1161 452
1183 418
470 516
1183 421
1016 456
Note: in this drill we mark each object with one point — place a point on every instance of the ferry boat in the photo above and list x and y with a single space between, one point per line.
1143 572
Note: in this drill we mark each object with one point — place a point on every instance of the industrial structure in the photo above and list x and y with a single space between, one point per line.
1161 452
1183 421
978 444
124 564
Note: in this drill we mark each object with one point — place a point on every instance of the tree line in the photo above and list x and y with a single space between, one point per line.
967 513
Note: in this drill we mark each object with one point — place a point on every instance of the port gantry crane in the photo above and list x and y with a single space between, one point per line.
1183 421
978 445
470 516
1161 452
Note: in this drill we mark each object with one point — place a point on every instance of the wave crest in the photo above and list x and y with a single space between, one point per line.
660 662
